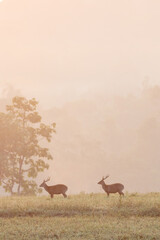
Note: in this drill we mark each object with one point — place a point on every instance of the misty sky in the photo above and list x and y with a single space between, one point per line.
61 50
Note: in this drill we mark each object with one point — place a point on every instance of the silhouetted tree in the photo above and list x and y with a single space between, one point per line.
22 156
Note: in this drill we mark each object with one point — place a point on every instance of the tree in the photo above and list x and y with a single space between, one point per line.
22 156
8 138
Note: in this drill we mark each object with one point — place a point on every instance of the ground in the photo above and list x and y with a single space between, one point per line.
83 216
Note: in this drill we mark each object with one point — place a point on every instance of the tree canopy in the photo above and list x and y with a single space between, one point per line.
23 155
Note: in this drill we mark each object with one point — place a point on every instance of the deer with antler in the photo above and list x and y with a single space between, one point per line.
112 188
55 189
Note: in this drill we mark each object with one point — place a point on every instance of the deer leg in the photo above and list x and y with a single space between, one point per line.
51 195
64 195
121 193
108 194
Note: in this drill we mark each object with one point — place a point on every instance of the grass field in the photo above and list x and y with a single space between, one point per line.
83 216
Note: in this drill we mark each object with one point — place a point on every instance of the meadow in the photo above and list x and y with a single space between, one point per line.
82 216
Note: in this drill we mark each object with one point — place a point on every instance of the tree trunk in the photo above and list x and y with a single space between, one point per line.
20 175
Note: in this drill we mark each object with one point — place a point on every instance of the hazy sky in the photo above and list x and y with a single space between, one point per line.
59 50
63 50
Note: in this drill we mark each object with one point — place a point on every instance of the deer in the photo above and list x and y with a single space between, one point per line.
54 189
112 188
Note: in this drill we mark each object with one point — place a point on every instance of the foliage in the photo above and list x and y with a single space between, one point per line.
23 157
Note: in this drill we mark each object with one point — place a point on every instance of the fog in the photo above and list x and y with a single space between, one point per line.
60 50
100 135
94 68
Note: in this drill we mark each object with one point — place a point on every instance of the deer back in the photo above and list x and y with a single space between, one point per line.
57 189
113 188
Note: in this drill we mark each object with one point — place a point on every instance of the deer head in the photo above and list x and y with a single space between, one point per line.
102 181
44 182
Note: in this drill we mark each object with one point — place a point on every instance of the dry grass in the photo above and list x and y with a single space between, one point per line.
83 216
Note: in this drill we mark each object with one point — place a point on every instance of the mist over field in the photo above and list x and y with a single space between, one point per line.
94 68
98 135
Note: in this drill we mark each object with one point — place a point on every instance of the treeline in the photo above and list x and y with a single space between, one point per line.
99 135
116 135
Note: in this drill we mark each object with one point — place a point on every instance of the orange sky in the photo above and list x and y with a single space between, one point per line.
59 50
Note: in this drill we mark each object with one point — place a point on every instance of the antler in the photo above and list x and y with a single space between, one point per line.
105 177
47 179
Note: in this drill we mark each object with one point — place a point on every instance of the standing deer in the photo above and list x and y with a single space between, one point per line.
112 188
54 189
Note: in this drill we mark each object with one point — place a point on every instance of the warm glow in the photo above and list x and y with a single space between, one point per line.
94 67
